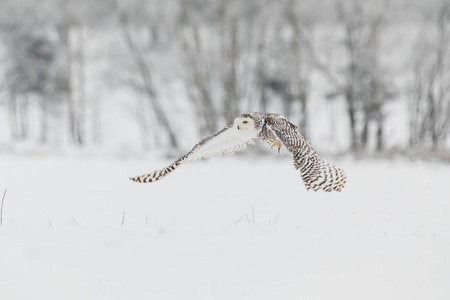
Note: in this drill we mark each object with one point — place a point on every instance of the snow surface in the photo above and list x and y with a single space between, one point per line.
237 227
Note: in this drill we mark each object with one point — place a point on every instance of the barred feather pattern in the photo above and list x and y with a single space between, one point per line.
273 129
159 174
315 172
225 141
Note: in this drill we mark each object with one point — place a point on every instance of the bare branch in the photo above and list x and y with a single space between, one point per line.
1 209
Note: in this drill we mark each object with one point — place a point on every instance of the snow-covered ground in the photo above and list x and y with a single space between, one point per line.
236 227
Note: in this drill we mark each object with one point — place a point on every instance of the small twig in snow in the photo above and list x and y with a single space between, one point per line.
123 219
49 222
240 219
253 213
234 223
156 221
75 220
1 210
275 220
418 229
146 218
247 219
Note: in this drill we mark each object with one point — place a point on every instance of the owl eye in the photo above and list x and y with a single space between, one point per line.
245 122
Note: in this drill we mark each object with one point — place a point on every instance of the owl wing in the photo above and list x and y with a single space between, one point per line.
315 172
226 140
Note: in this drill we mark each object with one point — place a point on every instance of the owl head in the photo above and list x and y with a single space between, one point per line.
247 125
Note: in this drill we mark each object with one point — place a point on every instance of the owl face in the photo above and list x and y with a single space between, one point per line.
246 126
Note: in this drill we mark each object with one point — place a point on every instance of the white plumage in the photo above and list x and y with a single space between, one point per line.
228 141
270 128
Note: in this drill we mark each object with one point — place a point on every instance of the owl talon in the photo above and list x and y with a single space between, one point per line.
278 144
272 129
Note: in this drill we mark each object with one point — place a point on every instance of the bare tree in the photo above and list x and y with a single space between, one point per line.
32 56
145 84
302 71
199 78
363 81
47 68
73 59
430 99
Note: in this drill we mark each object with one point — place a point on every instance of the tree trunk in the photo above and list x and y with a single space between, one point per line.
231 100
380 135
351 111
44 128
81 103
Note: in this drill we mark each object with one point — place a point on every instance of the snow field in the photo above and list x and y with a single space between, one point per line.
237 227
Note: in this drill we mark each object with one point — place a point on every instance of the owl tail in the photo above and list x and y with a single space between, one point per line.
158 174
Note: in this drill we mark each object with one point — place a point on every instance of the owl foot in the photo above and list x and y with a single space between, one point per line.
277 144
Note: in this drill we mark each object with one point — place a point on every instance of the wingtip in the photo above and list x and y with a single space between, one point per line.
135 179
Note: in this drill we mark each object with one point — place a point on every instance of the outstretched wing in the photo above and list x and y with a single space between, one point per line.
226 140
315 172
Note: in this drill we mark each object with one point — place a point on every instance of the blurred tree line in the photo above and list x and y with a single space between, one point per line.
228 57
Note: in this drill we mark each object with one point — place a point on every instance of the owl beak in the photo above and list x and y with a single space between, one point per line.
238 127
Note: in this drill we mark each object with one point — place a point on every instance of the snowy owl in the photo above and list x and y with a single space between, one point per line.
271 128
